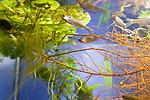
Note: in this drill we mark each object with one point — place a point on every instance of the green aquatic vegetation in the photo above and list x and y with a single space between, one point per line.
47 4
9 47
84 92
148 31
58 80
107 70
37 27
105 17
144 13
46 72
108 80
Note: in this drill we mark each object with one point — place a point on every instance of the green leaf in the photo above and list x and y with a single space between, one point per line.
54 97
91 88
108 80
144 13
5 6
9 3
148 36
107 17
100 20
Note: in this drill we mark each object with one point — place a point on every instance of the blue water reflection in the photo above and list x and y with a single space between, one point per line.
6 78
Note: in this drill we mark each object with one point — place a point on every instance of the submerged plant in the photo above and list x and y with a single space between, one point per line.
82 91
32 31
35 30
144 13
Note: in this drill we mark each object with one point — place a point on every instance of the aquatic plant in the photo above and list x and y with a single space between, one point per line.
105 17
129 59
144 13
35 30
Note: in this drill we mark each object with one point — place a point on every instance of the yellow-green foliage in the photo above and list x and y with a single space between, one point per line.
40 21
144 13
37 26
83 91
